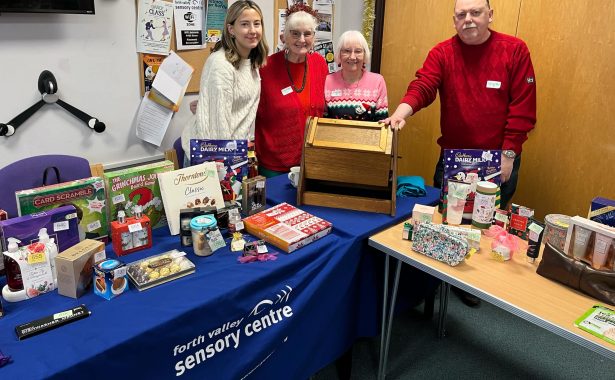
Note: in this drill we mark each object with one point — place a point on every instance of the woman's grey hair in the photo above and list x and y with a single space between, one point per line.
297 19
346 39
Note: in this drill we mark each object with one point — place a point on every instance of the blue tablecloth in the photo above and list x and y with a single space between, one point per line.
278 319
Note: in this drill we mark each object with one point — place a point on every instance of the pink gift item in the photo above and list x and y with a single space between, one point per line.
503 245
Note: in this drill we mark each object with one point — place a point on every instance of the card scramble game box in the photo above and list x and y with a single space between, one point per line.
137 186
87 195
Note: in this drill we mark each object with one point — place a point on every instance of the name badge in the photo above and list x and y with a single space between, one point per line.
336 93
287 90
494 84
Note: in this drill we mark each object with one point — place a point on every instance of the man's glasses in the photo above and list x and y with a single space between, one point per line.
297 34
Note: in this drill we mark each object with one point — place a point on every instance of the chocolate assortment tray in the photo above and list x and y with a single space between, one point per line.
156 270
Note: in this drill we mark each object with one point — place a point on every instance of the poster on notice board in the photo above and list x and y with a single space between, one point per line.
154 26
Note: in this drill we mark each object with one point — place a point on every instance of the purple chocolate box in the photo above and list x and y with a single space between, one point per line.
61 224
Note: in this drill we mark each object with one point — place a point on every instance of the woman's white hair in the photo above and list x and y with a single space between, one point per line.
346 39
297 19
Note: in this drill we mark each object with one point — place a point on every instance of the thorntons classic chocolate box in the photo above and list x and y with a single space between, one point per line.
87 195
194 186
137 186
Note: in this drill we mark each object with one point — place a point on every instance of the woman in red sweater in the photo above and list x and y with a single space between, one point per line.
292 88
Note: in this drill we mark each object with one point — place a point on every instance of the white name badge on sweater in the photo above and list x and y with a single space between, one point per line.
287 90
494 84
336 93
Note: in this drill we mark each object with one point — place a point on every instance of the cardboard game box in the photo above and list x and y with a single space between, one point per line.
87 195
134 186
287 227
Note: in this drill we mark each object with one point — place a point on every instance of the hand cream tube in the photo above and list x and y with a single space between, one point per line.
581 240
601 250
534 238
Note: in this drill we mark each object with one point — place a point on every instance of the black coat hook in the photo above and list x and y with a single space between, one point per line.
48 86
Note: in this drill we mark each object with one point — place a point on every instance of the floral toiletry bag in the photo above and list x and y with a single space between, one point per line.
440 243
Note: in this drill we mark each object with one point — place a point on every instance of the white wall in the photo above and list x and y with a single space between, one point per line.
95 64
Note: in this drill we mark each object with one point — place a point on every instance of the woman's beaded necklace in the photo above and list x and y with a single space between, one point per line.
292 82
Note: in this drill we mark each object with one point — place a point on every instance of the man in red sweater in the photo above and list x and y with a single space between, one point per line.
487 91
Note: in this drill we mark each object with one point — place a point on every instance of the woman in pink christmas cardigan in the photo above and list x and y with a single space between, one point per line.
292 88
353 93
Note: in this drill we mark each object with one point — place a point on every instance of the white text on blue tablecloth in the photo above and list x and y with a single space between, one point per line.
253 327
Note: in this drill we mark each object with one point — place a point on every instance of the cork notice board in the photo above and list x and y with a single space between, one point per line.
195 58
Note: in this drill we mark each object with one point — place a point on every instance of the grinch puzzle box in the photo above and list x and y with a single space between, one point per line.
134 186
87 195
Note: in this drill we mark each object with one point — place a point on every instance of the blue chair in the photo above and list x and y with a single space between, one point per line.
28 173
177 145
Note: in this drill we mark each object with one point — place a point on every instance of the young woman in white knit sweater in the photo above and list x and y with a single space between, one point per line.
230 83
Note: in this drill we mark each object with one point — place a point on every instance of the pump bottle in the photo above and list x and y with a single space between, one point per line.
52 251
13 271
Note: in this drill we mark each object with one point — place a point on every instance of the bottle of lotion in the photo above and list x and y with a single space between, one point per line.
13 271
52 251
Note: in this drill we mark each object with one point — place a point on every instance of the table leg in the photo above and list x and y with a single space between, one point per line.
445 289
385 299
384 351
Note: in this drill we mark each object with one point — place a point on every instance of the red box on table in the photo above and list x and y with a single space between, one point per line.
287 227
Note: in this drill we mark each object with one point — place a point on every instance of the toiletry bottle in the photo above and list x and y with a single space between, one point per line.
52 251
602 246
13 271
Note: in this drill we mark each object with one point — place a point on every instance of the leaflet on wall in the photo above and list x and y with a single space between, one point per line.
153 120
322 4
151 63
154 26
325 48
189 22
216 12
290 3
171 82
324 28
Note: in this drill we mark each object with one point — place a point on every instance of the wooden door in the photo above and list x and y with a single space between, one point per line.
568 158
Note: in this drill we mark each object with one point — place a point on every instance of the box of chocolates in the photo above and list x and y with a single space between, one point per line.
194 186
110 278
287 227
158 269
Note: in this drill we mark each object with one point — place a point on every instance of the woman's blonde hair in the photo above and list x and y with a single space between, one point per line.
349 37
258 55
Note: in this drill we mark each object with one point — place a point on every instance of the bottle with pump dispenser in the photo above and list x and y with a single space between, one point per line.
13 291
52 251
